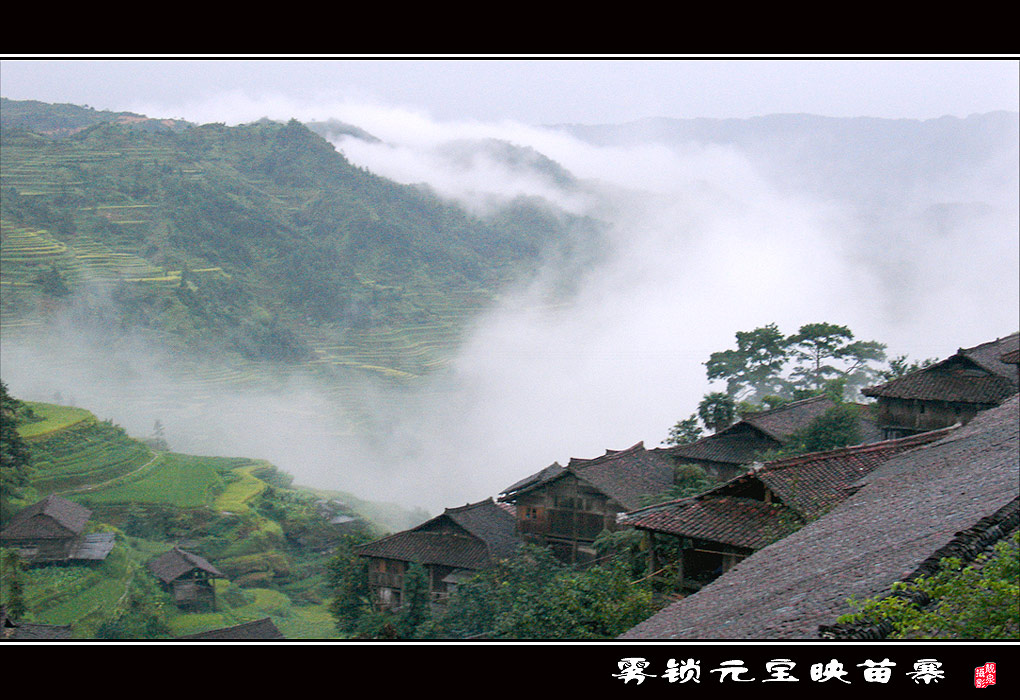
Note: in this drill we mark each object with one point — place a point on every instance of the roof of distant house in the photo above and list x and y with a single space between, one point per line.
177 562
247 631
625 476
741 442
977 375
489 532
806 485
904 512
52 517
15 630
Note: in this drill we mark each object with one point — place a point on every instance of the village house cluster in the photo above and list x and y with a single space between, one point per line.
921 436
755 505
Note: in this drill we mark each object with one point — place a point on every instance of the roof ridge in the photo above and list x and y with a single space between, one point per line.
466 506
767 411
919 438
610 454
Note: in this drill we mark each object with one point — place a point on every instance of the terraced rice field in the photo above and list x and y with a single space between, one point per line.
173 479
86 452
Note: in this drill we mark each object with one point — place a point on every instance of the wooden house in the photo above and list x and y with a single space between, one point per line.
451 547
718 528
955 496
188 578
727 453
565 508
53 531
948 392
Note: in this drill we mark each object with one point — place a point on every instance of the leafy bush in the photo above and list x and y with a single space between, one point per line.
978 601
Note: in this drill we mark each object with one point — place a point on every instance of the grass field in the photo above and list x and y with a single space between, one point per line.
53 417
174 479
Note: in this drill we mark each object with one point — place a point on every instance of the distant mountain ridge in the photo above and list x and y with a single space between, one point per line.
63 120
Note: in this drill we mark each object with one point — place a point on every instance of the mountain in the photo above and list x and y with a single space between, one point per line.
259 239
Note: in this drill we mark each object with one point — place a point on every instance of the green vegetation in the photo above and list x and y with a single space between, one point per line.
527 596
532 596
272 541
768 369
977 601
259 240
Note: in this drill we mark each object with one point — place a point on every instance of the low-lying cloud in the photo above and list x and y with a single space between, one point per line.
701 242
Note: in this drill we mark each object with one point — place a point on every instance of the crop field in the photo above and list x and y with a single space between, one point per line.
54 417
85 452
245 487
185 481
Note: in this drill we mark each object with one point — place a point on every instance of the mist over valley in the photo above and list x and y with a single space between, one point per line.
501 296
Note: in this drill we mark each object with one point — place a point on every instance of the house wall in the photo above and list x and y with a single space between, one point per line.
901 417
38 550
566 515
386 581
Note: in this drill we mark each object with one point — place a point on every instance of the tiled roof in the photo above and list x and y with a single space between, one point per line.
737 521
973 375
52 517
754 432
486 531
255 630
811 484
807 486
11 630
489 522
906 510
729 447
627 476
178 562
990 355
551 472
780 423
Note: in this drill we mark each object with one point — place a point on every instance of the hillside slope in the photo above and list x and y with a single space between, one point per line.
271 540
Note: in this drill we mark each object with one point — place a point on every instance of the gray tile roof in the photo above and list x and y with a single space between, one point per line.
973 375
905 511
484 531
626 476
754 432
52 517
15 630
263 629
806 486
177 562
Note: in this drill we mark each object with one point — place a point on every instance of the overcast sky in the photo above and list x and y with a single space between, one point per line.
533 91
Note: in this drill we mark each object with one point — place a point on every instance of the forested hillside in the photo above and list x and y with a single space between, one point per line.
261 240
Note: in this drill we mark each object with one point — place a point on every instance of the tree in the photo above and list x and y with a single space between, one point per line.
684 432
978 601
839 426
817 346
12 583
717 410
15 457
414 608
900 366
532 596
753 369
348 580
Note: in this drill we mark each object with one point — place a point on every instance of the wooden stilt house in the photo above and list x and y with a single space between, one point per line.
188 578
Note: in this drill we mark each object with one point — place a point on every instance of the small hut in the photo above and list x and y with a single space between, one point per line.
53 531
187 577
